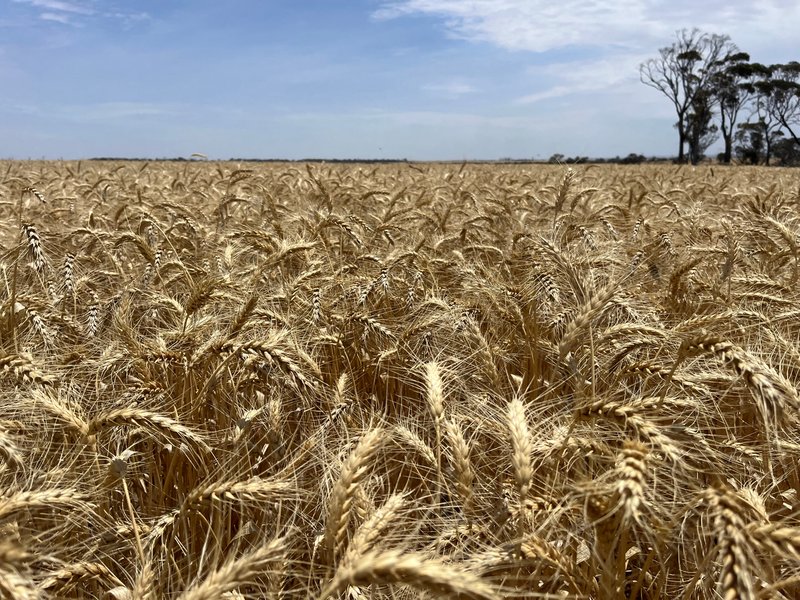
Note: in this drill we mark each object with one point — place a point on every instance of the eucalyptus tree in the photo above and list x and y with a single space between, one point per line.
733 90
684 72
780 93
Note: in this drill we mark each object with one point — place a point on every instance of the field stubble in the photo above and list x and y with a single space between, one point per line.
288 381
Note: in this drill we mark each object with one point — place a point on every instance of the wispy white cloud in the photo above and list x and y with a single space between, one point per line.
542 25
128 19
535 25
591 75
57 6
120 110
97 111
606 40
77 13
117 111
450 88
57 17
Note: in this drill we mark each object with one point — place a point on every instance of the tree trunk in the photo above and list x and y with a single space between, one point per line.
727 137
726 157
697 150
694 146
681 143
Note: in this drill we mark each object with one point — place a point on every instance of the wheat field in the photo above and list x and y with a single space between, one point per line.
224 380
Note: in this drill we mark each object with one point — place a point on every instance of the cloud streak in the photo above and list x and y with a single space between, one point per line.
605 40
75 13
57 6
450 89
98 111
524 24
591 75
541 25
56 17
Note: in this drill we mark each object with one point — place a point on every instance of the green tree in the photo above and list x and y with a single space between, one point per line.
781 97
701 131
684 71
756 140
773 105
732 89
787 151
750 143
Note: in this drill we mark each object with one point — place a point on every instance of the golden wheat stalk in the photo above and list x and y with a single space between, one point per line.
415 570
157 425
237 572
354 469
69 576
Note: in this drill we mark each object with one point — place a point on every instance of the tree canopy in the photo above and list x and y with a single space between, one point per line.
712 84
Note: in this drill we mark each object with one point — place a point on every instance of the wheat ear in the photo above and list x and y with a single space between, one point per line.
434 394
252 490
23 370
154 423
354 469
235 573
587 313
65 499
735 581
9 452
462 465
71 575
370 531
415 570
521 449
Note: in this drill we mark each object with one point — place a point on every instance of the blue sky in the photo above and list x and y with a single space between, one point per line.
416 79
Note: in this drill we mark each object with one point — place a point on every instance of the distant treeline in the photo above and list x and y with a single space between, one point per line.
257 160
630 159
